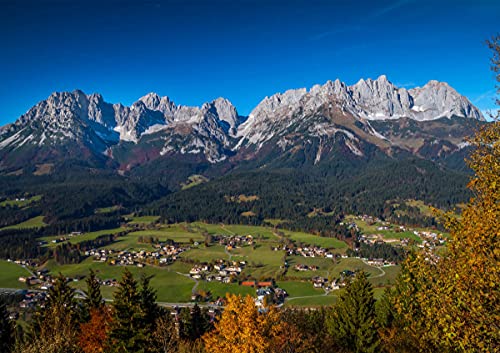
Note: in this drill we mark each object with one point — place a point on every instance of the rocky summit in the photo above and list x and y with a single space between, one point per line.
325 120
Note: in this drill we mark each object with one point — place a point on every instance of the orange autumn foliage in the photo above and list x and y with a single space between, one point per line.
94 334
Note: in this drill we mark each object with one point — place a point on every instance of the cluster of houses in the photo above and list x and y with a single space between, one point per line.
163 254
100 255
222 271
430 238
302 267
307 251
33 299
233 241
334 284
65 237
270 295
322 282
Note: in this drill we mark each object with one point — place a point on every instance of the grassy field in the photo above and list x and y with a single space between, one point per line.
21 203
35 222
10 273
83 237
172 283
387 234
327 267
316 301
299 288
170 286
312 239
220 289
194 180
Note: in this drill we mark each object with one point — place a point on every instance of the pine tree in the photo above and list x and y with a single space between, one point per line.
353 322
126 333
7 332
94 296
199 323
150 310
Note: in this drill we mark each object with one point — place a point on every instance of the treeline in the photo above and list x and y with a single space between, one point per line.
26 243
293 194
379 251
21 244
70 194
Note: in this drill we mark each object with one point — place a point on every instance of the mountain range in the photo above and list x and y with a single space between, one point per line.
298 127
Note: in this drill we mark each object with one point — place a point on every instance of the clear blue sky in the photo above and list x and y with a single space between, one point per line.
196 51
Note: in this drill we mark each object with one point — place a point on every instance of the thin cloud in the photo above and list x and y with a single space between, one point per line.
389 8
351 28
489 94
333 32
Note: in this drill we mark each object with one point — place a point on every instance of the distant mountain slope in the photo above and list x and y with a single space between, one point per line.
299 127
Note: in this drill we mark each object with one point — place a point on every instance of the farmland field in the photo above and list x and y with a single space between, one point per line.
10 273
172 281
35 222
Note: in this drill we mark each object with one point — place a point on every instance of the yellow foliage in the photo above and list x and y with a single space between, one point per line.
451 301
242 329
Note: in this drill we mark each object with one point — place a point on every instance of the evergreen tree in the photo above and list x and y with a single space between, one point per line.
150 310
353 322
199 323
94 296
126 333
7 332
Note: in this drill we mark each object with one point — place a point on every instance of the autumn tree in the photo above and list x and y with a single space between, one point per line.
240 328
94 334
164 337
243 328
353 320
54 329
450 301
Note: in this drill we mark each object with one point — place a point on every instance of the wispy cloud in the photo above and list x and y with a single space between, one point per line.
335 31
486 95
391 7
352 28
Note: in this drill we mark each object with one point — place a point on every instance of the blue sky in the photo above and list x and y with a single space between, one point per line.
244 50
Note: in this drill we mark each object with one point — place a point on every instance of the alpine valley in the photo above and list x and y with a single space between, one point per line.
333 147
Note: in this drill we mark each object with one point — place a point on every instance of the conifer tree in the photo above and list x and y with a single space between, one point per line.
199 323
126 333
94 296
353 322
150 310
